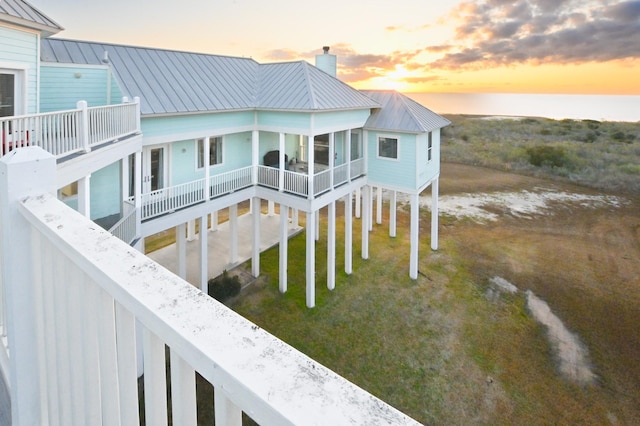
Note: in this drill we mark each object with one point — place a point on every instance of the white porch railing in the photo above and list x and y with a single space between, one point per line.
268 176
340 174
321 182
226 183
126 228
357 168
63 133
172 198
89 303
296 183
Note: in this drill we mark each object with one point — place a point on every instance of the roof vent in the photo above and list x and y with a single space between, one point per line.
105 57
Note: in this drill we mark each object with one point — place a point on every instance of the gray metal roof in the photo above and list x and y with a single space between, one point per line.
22 13
172 82
401 113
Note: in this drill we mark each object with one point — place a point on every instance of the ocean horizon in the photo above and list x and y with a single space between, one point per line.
577 107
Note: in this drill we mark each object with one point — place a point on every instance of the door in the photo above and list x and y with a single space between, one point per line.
154 171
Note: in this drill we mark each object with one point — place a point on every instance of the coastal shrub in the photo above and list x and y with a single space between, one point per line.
224 287
545 132
546 155
589 137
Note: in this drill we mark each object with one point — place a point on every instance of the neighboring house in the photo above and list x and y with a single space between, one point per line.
289 133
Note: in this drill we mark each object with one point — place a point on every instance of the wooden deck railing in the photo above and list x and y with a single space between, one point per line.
88 306
63 133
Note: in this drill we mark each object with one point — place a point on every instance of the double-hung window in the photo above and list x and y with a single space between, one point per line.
7 95
388 147
430 146
215 151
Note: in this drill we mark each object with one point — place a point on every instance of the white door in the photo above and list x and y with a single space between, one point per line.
154 170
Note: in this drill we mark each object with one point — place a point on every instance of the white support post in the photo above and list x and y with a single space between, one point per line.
358 201
271 208
204 255
84 125
284 240
331 245
183 391
191 230
379 205
348 153
255 255
214 221
207 167
124 179
348 234
84 196
296 218
181 247
233 228
393 213
415 229
332 157
370 208
311 260
29 171
317 223
434 213
311 166
136 100
366 217
227 413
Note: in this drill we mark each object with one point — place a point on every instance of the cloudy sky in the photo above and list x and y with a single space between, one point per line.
521 46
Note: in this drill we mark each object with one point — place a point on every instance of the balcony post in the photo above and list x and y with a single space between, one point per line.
24 172
83 127
255 151
348 159
311 167
434 213
136 100
282 164
332 155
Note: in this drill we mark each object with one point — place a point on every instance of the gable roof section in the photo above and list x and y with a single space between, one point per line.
173 82
21 13
401 113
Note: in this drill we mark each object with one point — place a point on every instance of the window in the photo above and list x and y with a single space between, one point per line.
321 149
7 95
388 147
215 151
429 147
355 146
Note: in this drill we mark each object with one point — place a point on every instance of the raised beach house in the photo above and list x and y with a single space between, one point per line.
132 141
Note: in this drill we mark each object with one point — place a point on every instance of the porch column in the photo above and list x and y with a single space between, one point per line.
317 227
84 196
358 200
295 218
415 228
348 153
124 179
255 255
348 234
434 213
366 206
379 205
207 168
311 260
370 207
204 255
255 157
233 229
311 167
137 188
284 241
271 209
331 245
392 213
281 167
181 247
332 156
31 171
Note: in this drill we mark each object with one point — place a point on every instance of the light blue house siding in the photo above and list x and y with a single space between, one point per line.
236 153
333 120
19 51
427 169
289 121
169 129
106 197
63 86
397 173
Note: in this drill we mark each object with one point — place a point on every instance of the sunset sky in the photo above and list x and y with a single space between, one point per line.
486 46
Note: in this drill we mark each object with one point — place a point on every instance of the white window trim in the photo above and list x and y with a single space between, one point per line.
197 150
378 137
21 73
429 148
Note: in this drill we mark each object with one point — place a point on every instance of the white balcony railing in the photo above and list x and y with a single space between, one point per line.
83 305
296 183
321 182
64 133
268 176
126 228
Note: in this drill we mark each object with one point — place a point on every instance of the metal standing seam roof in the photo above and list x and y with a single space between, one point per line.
401 113
173 82
21 13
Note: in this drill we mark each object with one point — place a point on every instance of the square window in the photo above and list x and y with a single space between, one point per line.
388 147
215 151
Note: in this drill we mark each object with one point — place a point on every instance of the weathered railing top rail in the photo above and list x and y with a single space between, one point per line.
263 376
